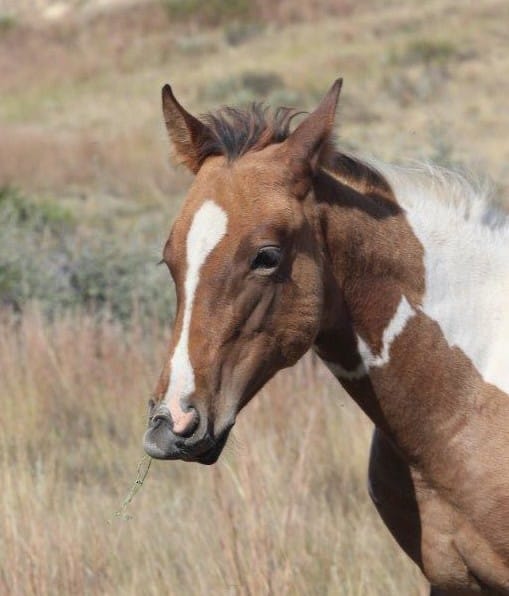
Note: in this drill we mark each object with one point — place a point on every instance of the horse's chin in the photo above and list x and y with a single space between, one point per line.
210 457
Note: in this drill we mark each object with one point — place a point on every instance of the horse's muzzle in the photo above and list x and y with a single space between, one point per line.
161 442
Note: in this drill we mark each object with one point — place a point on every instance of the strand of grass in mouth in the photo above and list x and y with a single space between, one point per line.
143 468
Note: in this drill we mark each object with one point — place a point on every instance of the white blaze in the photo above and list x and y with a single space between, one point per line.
207 229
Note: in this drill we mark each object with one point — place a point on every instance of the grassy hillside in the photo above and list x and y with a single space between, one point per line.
79 107
87 196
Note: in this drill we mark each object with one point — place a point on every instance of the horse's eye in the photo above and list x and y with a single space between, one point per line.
267 259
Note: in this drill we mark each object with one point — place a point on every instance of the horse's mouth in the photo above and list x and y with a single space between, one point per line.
205 451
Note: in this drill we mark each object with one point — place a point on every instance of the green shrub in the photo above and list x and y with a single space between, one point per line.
424 51
211 12
195 44
7 22
243 88
47 258
44 215
105 275
237 33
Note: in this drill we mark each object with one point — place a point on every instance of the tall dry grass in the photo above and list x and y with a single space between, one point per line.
285 511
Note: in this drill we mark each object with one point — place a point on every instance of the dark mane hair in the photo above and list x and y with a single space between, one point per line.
235 131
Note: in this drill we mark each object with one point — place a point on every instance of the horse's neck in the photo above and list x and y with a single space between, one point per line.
373 270
365 284
391 356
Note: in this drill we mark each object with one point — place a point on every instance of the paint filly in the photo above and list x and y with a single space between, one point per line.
399 280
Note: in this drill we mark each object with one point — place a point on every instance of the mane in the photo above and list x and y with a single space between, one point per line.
432 188
466 198
235 131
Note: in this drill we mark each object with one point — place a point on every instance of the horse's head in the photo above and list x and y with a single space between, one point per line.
247 266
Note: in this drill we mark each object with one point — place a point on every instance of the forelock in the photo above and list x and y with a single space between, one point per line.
235 131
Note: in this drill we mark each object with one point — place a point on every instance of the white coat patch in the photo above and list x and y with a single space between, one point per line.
341 372
207 229
398 322
466 260
369 360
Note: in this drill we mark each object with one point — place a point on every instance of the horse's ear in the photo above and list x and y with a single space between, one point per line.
187 133
307 141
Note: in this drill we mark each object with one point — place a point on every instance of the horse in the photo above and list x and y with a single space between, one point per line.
396 277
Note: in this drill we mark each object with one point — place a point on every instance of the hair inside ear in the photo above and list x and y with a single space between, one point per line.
188 134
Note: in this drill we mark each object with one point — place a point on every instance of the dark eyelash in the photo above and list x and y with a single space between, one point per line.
161 262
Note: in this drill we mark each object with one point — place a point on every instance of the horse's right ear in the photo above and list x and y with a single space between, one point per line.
187 133
306 142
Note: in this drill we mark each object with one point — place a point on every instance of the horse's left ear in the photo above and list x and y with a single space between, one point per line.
187 133
306 142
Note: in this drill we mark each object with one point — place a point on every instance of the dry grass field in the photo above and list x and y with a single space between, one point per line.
285 510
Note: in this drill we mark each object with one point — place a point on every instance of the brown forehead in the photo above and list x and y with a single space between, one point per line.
253 191
243 183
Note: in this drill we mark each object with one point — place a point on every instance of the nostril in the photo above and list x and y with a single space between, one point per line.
161 417
186 423
182 425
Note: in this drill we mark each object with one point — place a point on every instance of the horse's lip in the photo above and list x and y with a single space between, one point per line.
211 455
205 452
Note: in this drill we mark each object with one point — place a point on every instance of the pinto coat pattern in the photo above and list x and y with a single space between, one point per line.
398 279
